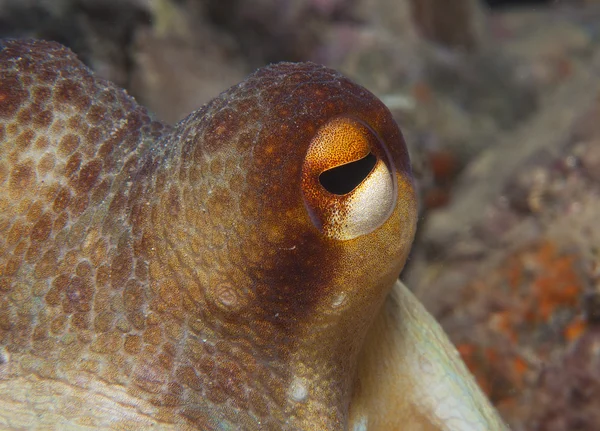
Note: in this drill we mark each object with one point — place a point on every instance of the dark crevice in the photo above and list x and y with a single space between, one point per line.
343 179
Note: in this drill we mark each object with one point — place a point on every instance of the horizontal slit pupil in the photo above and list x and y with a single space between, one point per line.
343 179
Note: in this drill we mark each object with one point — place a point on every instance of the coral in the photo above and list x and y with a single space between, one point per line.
533 312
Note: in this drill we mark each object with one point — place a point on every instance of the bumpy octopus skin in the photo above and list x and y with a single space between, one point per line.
232 272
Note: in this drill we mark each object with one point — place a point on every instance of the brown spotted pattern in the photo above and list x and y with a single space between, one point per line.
180 265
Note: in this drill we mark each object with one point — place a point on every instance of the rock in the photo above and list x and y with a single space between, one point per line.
509 265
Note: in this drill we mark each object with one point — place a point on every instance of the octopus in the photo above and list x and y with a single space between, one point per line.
236 271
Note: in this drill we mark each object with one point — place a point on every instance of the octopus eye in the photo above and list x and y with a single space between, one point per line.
348 180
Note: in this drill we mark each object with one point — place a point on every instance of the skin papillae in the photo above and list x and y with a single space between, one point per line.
201 276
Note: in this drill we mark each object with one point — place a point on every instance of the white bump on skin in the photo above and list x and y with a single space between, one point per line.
361 424
338 300
298 390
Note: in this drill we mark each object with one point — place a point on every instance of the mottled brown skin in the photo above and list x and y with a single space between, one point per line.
180 265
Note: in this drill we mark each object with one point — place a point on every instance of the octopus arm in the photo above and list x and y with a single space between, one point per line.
412 378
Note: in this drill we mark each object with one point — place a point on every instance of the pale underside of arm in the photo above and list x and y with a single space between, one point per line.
411 377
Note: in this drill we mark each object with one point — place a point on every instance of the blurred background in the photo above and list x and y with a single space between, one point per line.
499 102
